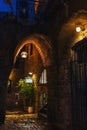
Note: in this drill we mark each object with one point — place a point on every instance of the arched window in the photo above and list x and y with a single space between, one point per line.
43 78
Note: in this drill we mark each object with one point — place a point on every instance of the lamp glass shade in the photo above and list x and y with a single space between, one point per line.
24 54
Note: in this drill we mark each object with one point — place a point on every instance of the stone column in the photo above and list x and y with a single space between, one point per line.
3 91
64 109
52 76
2 101
59 96
36 93
4 75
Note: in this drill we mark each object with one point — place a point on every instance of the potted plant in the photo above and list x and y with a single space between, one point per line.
28 91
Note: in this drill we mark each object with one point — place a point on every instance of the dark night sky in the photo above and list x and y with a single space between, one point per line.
6 8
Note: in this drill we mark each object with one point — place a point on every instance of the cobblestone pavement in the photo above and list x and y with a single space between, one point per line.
23 122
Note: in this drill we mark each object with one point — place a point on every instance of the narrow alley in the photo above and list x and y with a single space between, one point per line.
17 121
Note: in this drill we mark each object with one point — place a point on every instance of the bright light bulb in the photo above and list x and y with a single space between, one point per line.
78 29
30 73
24 54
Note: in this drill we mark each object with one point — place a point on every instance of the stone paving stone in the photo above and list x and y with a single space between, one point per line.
23 123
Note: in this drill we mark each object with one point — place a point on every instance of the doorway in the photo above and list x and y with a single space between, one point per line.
79 85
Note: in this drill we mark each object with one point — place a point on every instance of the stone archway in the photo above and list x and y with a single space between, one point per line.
43 46
68 37
41 43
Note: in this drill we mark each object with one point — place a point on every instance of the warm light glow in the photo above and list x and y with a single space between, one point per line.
24 54
36 5
28 80
78 29
30 73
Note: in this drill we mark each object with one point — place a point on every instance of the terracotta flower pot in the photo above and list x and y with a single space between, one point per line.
30 109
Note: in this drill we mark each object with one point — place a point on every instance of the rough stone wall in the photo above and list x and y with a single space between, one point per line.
65 110
59 96
34 62
59 85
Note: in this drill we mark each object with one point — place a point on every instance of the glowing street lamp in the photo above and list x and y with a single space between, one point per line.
24 54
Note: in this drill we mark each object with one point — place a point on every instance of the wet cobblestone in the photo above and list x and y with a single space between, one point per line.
23 123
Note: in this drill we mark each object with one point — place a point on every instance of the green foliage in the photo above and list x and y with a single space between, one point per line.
9 86
28 91
9 82
21 82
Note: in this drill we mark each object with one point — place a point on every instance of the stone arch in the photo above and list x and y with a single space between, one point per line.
68 35
42 44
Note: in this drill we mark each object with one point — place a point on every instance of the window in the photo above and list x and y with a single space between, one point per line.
23 9
43 78
30 49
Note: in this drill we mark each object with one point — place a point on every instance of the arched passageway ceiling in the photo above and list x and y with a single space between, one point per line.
68 34
41 43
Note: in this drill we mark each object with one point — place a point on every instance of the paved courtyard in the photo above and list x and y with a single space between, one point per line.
24 122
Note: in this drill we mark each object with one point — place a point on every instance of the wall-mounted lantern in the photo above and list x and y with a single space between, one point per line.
78 29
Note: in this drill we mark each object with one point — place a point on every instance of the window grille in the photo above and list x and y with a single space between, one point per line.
79 84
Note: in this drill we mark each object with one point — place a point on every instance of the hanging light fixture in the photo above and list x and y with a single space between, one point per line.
24 54
30 73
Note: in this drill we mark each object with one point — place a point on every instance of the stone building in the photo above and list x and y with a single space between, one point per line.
53 44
